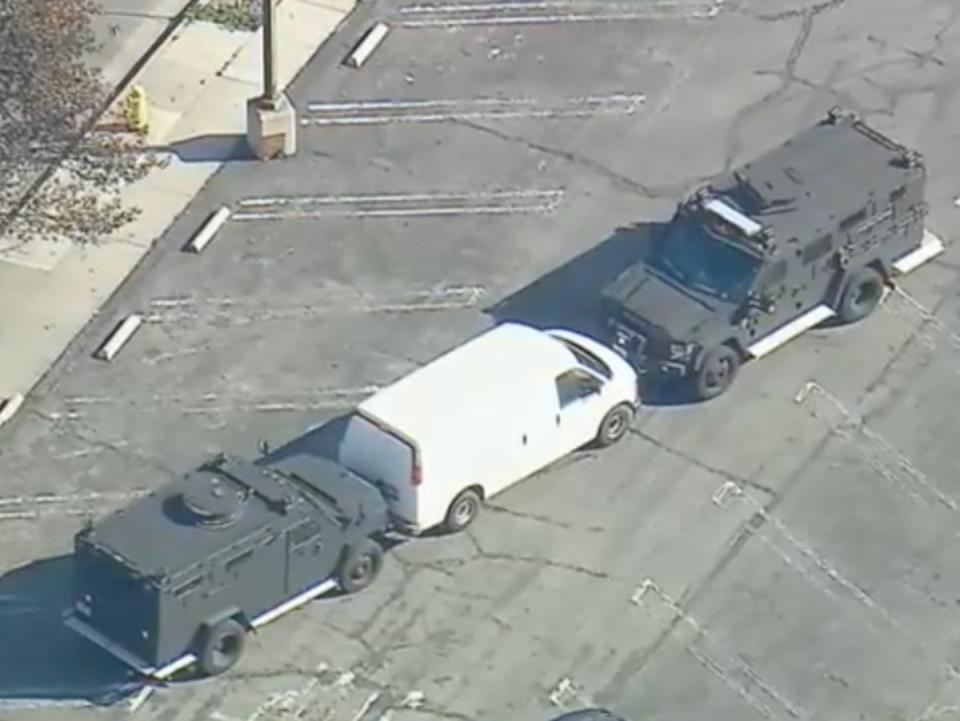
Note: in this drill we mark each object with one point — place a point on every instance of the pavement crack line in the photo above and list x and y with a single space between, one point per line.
738 665
787 74
638 661
630 184
483 553
713 470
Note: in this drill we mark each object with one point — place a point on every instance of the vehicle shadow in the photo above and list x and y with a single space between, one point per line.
41 660
569 297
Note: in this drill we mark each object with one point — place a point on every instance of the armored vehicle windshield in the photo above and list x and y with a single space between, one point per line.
697 253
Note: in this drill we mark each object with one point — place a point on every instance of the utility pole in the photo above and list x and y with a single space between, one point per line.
271 118
269 53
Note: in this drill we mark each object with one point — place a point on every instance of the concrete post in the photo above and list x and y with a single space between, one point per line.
271 118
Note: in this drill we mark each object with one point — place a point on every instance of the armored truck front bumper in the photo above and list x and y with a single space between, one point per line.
648 361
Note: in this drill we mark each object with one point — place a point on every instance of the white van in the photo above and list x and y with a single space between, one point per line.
483 416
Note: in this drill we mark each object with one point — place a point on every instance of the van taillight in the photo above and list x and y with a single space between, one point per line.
416 476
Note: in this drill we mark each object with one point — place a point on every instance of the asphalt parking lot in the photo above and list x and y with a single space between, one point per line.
770 555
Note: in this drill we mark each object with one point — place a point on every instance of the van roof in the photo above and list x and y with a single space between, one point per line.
505 357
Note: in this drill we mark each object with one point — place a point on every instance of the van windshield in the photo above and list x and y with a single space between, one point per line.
588 359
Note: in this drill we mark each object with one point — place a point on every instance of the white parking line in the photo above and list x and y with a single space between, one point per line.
547 12
380 112
726 676
810 554
215 403
399 205
901 304
898 469
225 311
22 508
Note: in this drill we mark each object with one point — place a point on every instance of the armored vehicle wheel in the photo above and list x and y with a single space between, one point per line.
861 296
614 425
221 647
462 511
717 372
361 565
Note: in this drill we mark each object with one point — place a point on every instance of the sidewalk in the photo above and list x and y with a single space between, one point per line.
197 85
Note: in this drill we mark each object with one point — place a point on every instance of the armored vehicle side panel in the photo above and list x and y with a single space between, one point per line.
228 542
812 229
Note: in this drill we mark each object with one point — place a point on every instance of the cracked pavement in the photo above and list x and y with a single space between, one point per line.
792 571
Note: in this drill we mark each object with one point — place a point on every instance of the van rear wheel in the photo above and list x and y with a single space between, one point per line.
221 646
462 511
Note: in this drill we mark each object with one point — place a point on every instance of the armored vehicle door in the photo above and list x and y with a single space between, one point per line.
313 549
770 305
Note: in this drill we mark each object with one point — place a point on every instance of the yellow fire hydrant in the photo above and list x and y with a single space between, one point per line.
137 111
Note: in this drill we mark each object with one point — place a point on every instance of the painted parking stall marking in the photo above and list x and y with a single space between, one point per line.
31 507
735 673
231 311
548 12
393 205
803 558
77 407
382 112
879 454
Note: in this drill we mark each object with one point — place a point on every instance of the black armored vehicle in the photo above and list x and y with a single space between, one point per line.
816 228
179 577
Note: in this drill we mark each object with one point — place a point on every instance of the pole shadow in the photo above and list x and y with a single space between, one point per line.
43 661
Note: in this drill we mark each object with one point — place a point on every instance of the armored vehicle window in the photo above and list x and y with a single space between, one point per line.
237 560
852 220
188 587
817 249
304 532
697 260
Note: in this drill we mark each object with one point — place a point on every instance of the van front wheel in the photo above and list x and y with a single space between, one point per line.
462 511
614 425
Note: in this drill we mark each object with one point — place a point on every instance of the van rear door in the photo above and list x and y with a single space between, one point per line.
383 458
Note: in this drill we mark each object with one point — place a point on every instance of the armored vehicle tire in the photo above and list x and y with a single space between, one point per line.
614 425
360 566
717 372
462 511
861 296
221 646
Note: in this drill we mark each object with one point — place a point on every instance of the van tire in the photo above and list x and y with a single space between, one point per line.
360 566
717 372
861 296
462 511
614 425
221 646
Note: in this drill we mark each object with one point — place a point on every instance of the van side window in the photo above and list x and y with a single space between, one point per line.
898 193
817 249
573 385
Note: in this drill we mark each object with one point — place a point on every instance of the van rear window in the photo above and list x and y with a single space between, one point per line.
375 454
